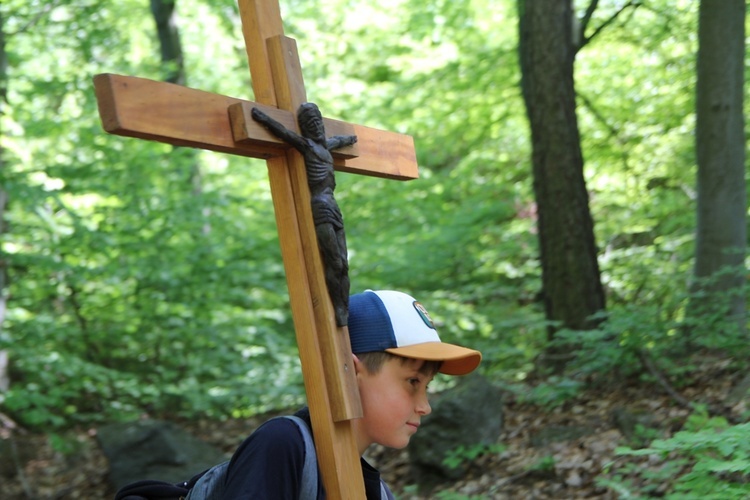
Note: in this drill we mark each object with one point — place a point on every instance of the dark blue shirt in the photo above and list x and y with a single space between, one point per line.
268 465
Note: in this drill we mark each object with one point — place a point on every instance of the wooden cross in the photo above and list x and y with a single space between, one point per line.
147 109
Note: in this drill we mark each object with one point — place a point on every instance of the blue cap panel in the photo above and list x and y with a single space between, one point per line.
370 327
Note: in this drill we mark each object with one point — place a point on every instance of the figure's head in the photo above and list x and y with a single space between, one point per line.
311 122
397 352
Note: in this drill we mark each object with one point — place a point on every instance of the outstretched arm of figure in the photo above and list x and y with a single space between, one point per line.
339 141
278 129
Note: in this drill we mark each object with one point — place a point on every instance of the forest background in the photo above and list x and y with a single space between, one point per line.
140 278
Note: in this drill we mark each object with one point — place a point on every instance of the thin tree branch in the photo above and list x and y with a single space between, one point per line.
83 324
599 117
586 39
27 489
587 18
649 364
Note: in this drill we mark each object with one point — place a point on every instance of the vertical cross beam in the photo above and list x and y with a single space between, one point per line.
325 352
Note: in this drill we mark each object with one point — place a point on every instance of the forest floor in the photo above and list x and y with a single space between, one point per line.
526 468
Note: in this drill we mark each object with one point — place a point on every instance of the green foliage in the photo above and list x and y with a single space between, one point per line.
147 279
451 495
65 444
546 463
674 325
143 278
441 495
707 459
464 454
709 318
550 393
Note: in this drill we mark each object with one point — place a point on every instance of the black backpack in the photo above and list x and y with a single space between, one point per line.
209 484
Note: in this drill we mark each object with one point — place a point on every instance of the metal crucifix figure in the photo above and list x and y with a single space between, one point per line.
329 222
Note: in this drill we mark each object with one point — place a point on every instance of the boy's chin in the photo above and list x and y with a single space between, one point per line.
394 445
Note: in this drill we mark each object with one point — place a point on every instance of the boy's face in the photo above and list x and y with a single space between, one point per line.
394 400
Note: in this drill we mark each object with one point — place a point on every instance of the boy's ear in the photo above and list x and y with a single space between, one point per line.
357 364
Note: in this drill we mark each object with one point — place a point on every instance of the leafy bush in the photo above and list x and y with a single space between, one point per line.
550 393
671 330
463 454
707 459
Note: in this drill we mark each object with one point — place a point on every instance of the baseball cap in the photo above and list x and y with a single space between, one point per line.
395 322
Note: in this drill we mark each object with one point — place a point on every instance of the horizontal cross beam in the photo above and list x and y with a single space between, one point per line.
159 111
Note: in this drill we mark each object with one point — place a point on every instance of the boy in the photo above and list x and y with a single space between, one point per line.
397 352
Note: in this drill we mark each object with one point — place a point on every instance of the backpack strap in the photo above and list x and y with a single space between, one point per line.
385 492
209 485
309 485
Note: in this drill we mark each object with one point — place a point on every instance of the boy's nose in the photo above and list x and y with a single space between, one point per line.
423 406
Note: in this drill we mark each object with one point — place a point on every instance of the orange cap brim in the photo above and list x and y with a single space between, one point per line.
456 360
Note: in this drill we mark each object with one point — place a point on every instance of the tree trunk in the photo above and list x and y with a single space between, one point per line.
169 39
570 271
721 236
4 378
170 45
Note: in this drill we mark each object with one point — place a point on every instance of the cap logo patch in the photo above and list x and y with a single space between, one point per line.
424 315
